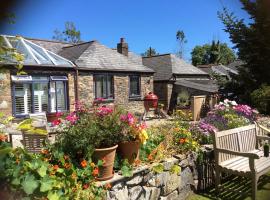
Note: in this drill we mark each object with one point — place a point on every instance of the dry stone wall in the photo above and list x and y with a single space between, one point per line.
148 185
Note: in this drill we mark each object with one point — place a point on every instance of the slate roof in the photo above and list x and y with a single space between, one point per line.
95 56
167 65
202 85
218 69
233 65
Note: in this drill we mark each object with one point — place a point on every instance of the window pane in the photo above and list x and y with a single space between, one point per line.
40 97
110 87
61 100
100 83
58 98
134 85
22 98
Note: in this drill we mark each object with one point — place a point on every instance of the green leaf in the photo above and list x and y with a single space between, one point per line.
29 184
60 170
100 163
158 168
42 171
15 181
175 169
126 171
46 184
53 196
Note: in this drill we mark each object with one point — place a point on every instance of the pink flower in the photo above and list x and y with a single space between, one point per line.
72 118
129 118
103 111
59 114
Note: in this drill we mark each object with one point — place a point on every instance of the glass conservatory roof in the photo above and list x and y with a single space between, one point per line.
33 53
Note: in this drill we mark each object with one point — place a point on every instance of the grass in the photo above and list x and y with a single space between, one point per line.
236 188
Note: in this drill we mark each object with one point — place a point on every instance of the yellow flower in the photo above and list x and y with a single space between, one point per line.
143 136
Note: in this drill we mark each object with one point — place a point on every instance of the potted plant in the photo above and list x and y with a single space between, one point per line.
92 133
133 134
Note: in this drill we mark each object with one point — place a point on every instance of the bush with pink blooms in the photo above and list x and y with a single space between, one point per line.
225 115
88 128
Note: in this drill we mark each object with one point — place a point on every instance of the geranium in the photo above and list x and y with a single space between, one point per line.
129 118
72 118
56 122
104 111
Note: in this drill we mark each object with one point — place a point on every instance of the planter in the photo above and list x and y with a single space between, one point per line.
108 156
51 117
129 150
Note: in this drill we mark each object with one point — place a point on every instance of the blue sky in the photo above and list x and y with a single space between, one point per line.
143 23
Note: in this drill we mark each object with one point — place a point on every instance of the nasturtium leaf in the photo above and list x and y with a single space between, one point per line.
158 168
46 184
53 196
60 170
126 171
42 171
29 184
100 163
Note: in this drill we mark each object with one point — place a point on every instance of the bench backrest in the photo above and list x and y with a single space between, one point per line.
241 139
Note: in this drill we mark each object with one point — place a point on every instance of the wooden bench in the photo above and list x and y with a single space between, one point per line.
239 151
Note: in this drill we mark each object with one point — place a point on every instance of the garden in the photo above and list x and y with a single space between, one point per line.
107 152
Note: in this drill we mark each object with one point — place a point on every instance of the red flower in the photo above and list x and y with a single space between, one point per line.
95 172
3 137
56 122
84 163
85 186
44 151
55 167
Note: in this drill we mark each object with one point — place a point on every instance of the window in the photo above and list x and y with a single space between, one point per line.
103 86
134 86
39 94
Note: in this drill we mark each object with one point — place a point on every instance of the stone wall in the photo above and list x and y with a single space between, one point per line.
86 91
164 92
148 185
5 94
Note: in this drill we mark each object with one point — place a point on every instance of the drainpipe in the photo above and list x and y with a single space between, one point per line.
76 83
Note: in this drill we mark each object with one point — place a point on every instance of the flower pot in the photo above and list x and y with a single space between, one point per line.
108 156
129 150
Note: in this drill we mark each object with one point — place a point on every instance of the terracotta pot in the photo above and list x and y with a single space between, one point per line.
108 155
51 117
129 150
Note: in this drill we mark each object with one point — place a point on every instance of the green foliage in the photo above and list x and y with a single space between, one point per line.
216 53
51 174
158 168
253 44
150 52
70 34
96 128
175 169
10 55
126 169
261 99
26 125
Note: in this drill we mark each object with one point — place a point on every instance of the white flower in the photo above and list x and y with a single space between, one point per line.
233 103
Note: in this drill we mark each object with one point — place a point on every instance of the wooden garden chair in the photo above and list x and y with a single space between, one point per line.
238 151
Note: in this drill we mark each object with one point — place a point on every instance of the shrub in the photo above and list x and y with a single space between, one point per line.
261 99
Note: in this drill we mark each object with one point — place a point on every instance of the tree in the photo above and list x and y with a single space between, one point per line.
216 53
181 39
70 34
149 52
253 43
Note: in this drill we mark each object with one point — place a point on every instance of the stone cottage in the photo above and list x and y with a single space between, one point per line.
175 80
59 73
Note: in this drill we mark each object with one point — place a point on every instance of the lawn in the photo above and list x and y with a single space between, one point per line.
237 189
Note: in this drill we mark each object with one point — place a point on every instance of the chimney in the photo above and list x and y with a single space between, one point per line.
122 47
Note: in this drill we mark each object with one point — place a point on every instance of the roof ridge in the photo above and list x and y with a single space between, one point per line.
74 45
48 40
165 54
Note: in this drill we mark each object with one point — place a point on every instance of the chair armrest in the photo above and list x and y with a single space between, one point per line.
263 137
244 154
263 128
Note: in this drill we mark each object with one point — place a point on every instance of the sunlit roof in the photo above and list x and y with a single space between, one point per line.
33 53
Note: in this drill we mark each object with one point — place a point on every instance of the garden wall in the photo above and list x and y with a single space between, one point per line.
148 185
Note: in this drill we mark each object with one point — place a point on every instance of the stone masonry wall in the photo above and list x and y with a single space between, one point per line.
121 91
147 185
5 94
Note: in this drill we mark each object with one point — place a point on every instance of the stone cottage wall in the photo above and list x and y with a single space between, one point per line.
5 94
164 92
86 91
147 185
